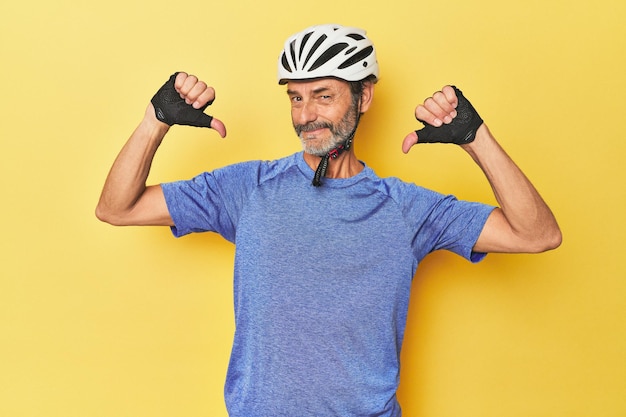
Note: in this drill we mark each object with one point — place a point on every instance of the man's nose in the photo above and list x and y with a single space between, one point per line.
306 113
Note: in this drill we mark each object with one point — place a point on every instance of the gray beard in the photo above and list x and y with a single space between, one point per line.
340 133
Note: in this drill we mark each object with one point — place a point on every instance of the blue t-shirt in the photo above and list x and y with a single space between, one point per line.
322 279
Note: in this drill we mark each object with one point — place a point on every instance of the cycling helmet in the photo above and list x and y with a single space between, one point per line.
328 51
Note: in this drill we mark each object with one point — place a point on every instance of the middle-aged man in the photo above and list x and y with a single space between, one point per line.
325 249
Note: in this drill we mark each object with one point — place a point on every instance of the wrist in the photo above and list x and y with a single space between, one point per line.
150 130
483 137
152 125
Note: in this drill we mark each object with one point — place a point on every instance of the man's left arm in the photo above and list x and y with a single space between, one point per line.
523 223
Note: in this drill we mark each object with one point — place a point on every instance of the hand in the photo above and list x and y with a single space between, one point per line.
182 100
448 117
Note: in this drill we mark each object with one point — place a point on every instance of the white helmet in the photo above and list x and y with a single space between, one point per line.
328 51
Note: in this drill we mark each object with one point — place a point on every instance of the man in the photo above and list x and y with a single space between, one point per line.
325 249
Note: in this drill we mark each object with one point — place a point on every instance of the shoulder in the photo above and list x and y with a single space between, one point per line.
417 203
403 192
252 172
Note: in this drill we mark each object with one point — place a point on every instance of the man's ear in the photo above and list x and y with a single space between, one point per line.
367 95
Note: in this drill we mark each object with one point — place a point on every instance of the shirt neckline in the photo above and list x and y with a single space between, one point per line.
332 182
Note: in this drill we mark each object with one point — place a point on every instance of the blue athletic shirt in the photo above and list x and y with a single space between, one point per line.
322 278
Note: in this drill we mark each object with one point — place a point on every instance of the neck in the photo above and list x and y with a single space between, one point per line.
346 165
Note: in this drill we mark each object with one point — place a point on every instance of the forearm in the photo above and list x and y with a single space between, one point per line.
126 181
533 227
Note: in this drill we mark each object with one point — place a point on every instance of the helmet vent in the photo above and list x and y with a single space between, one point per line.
355 36
285 63
328 55
316 45
305 39
292 51
361 55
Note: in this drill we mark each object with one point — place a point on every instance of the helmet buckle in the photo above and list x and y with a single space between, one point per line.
334 153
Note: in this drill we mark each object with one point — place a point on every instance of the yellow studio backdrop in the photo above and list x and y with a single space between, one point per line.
101 321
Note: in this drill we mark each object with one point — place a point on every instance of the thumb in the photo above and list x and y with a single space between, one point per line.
205 120
409 141
217 125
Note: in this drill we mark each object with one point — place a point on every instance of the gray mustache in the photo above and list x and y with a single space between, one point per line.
312 126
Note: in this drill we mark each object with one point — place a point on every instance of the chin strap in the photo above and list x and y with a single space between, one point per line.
320 172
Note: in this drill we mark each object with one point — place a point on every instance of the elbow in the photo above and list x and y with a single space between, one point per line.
555 240
103 215
548 241
107 216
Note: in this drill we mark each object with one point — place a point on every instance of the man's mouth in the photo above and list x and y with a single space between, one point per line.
311 134
311 129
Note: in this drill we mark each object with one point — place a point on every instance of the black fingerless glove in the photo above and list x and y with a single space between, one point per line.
461 130
170 108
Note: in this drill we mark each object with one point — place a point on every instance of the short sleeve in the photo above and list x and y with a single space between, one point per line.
456 226
211 201
438 221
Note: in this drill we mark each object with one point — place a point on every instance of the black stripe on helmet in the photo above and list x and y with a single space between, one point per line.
359 56
316 45
305 38
292 51
356 36
285 63
328 55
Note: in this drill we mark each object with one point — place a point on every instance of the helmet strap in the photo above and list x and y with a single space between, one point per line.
320 172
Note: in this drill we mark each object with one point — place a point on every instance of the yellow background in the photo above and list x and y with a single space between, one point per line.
101 321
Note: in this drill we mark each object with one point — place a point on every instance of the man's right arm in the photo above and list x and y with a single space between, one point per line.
126 199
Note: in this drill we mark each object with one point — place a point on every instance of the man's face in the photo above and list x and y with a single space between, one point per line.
322 113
